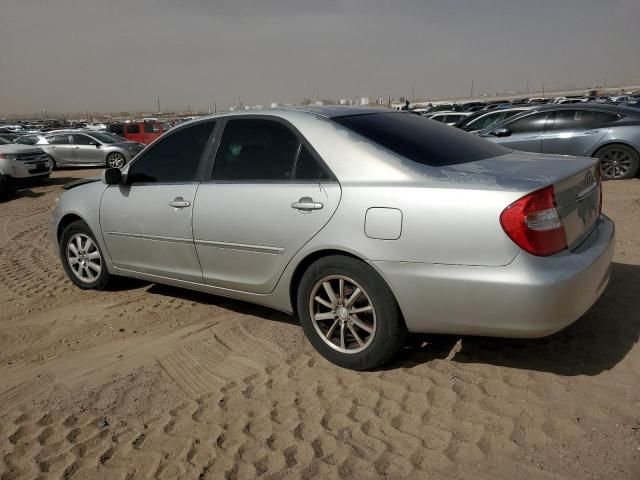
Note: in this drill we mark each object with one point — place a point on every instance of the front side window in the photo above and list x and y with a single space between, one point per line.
148 127
83 140
254 150
26 140
530 124
175 158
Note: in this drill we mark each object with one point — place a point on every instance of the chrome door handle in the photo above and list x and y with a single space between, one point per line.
306 204
179 202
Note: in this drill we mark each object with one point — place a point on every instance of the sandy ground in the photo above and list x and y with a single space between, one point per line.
151 381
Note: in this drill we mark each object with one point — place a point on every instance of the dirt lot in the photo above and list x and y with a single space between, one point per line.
151 381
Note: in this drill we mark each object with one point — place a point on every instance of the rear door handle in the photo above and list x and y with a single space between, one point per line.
306 204
179 202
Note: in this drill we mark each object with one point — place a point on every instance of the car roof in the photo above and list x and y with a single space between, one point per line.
333 111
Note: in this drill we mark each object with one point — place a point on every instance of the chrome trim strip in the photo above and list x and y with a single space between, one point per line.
157 238
241 246
587 191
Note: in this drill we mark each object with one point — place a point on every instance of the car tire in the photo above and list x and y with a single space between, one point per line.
54 165
359 333
618 162
7 187
116 160
81 257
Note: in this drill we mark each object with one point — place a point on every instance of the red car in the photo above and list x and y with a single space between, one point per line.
143 132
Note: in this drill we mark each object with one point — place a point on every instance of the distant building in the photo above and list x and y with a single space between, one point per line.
275 104
345 101
319 103
364 101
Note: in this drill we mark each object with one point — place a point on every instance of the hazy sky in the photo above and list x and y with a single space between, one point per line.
120 55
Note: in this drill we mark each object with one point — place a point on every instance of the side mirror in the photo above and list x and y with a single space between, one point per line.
501 132
112 176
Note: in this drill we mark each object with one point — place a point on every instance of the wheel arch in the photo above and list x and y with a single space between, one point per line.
65 221
616 141
311 257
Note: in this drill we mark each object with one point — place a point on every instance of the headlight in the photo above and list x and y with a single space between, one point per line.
8 156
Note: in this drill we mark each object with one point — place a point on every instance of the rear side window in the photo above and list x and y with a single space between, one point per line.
135 128
418 139
308 168
83 140
567 119
175 158
59 140
148 127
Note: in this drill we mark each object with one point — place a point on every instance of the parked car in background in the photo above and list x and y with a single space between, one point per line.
29 139
425 229
19 163
485 119
141 132
607 132
450 118
83 148
9 137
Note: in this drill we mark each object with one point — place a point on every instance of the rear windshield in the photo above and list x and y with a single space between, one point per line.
420 139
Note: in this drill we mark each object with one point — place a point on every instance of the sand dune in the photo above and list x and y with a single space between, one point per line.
150 381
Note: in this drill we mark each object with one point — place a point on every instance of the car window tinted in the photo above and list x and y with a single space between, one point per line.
568 119
175 158
530 124
116 128
255 150
420 140
59 140
148 127
135 128
83 140
308 168
26 140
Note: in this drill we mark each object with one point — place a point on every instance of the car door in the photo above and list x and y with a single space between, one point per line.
60 148
147 222
576 131
523 133
269 194
133 133
87 150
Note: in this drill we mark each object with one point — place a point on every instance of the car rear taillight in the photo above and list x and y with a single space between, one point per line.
599 182
534 224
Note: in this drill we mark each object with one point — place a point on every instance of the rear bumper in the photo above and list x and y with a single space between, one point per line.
530 297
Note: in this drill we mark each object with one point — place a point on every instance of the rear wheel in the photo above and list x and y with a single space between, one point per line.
81 257
618 162
116 160
349 314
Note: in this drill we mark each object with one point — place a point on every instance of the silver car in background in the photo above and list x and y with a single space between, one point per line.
81 148
608 132
367 224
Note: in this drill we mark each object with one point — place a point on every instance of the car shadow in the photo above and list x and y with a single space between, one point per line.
597 342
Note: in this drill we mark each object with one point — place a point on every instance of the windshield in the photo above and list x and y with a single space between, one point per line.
104 138
421 140
3 141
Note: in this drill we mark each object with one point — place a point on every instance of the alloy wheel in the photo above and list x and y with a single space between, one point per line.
342 314
116 160
84 258
615 163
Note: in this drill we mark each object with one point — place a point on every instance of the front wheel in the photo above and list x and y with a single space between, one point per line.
349 314
116 160
618 162
81 257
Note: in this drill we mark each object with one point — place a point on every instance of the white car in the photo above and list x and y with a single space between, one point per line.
20 162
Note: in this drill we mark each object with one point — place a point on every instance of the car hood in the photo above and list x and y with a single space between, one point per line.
17 148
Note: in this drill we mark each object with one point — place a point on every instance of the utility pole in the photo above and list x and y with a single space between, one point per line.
543 89
471 88
413 92
604 85
527 85
158 104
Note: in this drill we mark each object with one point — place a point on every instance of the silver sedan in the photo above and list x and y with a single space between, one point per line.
81 148
366 224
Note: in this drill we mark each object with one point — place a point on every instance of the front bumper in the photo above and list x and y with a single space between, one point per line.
530 297
24 170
